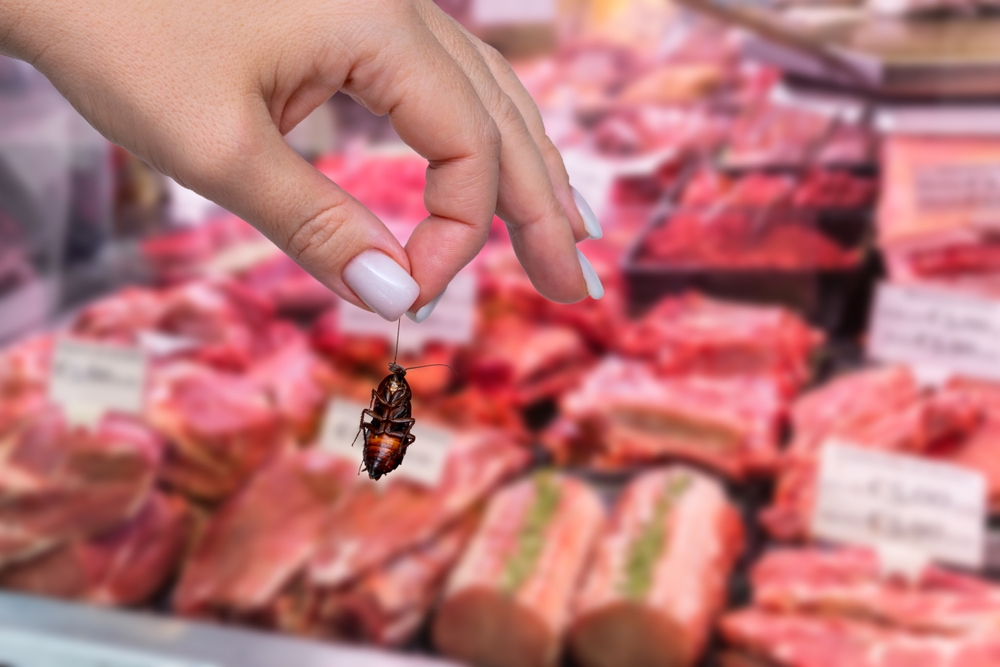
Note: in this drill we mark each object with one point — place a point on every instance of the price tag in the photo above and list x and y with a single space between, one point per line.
20 648
89 379
491 12
453 320
939 332
425 458
593 176
900 505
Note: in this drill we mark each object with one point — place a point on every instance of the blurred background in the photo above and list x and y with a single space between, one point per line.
801 213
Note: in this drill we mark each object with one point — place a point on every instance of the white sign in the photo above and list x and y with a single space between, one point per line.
425 457
506 12
453 320
20 648
90 379
939 332
900 505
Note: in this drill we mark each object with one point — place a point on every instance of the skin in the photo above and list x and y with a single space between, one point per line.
204 90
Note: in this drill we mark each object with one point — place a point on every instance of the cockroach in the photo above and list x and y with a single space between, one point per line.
387 434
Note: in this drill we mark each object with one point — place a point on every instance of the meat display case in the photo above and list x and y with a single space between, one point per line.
42 633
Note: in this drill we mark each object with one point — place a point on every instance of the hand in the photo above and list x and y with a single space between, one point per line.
203 90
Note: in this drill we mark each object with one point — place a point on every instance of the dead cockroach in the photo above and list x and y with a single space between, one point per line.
387 434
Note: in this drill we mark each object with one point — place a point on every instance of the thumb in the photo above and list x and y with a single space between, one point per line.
322 227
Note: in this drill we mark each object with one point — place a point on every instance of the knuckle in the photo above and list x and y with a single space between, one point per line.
320 239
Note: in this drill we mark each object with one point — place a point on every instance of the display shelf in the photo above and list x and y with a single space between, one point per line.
73 635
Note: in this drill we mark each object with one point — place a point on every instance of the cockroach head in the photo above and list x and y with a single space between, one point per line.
396 369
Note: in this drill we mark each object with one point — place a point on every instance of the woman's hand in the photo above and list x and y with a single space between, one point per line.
203 90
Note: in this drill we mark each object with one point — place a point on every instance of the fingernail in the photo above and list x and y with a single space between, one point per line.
590 221
381 283
594 287
425 310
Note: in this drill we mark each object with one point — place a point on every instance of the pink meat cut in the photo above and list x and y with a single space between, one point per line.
122 567
307 549
298 383
633 611
849 582
791 640
375 525
387 605
693 334
263 536
220 428
227 325
623 415
507 603
60 483
881 409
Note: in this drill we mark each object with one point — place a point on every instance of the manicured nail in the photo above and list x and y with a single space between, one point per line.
590 221
594 287
381 283
425 310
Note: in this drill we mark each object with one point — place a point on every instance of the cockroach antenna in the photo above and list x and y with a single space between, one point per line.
431 366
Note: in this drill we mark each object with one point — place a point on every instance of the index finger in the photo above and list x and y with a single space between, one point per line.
436 111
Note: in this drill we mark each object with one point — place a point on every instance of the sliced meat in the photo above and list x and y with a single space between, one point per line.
507 603
60 483
791 640
627 416
387 605
122 567
695 334
849 582
377 524
220 427
263 536
660 575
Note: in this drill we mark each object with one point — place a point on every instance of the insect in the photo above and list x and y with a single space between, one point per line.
387 433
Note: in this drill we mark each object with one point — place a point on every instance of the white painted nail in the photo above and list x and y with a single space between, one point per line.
425 310
590 221
381 283
594 287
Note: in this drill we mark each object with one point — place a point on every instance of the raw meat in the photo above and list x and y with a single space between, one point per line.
741 239
533 362
286 284
375 525
507 603
660 575
850 582
298 384
790 640
122 567
306 548
60 483
881 409
696 334
828 189
220 428
263 536
386 606
623 415
220 322
775 136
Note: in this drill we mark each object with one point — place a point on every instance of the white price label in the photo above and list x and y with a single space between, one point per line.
939 332
506 12
90 379
242 256
20 648
593 176
453 319
425 457
900 504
